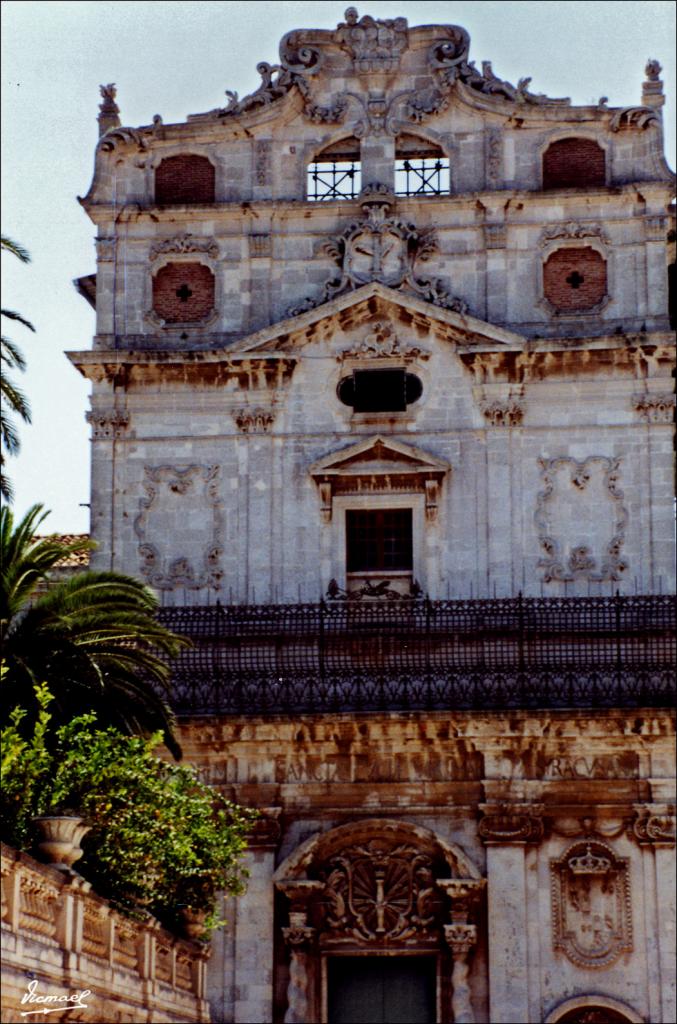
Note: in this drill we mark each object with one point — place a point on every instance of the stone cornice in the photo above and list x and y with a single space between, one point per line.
660 191
269 370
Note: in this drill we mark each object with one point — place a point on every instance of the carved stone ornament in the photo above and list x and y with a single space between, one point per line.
374 44
109 112
379 892
571 229
183 244
381 342
381 591
173 496
591 910
266 831
508 413
634 117
654 827
511 824
260 246
380 247
263 150
105 249
581 519
107 424
254 421
655 408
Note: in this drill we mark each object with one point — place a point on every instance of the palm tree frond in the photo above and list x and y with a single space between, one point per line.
11 315
8 245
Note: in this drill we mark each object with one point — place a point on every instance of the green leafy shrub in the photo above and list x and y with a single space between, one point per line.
160 839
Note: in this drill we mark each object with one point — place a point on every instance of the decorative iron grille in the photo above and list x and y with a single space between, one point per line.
337 179
428 655
427 176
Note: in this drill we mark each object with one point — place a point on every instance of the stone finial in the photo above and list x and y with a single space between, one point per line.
652 87
109 112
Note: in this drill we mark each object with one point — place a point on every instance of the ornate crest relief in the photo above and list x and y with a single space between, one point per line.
376 892
591 914
177 500
374 44
381 247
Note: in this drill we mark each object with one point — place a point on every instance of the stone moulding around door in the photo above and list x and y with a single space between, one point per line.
378 887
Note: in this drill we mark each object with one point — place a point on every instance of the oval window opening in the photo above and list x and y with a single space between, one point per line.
379 390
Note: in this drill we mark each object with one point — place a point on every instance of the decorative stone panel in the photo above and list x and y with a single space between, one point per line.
186 178
184 243
180 502
581 519
591 910
573 163
183 292
575 279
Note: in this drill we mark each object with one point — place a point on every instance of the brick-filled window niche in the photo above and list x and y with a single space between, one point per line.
184 179
575 279
183 293
574 163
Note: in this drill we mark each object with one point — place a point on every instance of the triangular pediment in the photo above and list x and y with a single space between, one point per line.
377 300
378 455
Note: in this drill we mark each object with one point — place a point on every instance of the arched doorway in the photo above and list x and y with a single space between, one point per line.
593 1009
381 926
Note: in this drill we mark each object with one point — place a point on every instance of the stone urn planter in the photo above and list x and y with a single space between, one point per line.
192 923
59 839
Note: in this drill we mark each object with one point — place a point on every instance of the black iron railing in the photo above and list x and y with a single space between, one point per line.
354 656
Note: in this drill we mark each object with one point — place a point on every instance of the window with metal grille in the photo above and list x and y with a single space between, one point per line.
421 168
336 172
427 177
379 540
380 390
338 179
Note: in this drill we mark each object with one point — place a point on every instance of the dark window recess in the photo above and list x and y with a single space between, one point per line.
380 390
379 540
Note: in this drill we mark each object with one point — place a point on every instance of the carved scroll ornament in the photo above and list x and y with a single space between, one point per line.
591 911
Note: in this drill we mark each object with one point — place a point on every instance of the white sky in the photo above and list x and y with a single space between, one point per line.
176 58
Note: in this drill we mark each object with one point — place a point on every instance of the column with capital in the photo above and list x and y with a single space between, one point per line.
506 830
300 937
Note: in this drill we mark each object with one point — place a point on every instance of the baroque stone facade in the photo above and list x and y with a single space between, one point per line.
396 335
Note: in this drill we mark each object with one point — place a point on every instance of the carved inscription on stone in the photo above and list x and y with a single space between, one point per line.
599 766
180 502
591 914
399 767
581 519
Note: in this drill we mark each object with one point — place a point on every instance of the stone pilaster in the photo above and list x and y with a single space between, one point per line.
253 980
654 830
506 830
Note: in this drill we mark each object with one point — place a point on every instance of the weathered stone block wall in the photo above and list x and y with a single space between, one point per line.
517 800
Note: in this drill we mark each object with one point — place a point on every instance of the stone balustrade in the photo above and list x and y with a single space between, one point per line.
60 939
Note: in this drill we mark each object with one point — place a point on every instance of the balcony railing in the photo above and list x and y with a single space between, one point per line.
425 655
